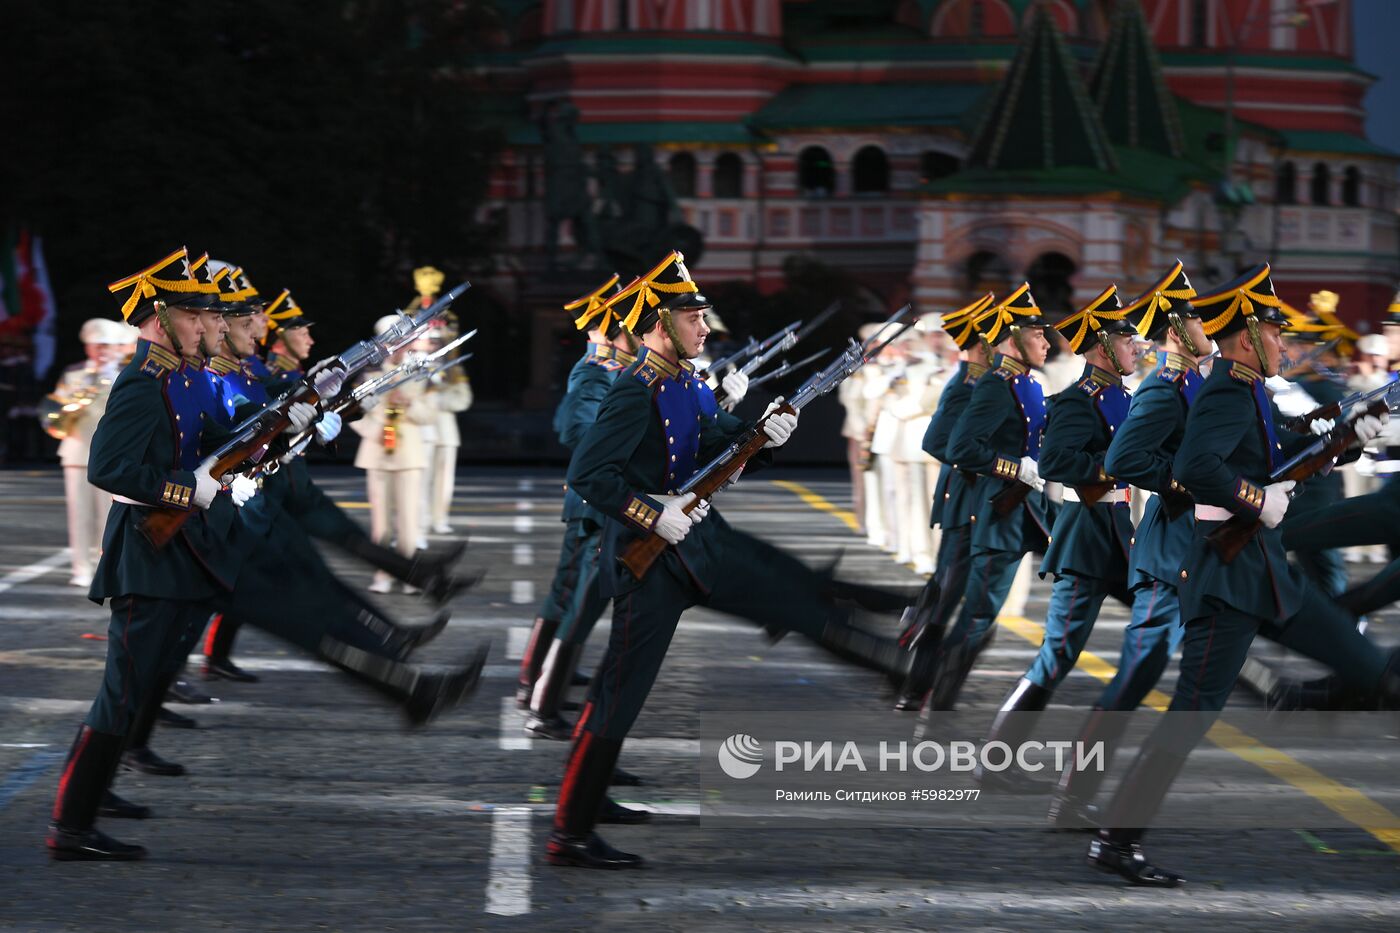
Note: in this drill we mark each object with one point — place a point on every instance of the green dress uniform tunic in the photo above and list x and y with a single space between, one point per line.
1004 421
1089 545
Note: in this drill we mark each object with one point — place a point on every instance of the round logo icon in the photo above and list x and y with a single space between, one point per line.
740 756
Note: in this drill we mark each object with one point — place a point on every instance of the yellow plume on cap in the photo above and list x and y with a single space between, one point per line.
1242 300
1004 313
594 304
646 291
1159 299
146 283
1089 320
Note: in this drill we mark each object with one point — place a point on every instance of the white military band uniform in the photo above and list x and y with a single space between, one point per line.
86 504
447 399
394 462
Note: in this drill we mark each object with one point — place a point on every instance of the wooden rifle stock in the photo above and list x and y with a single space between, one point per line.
638 556
1010 498
159 524
1089 493
1299 425
1231 536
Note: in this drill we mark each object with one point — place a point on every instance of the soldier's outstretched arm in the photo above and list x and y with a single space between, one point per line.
115 463
969 446
598 468
1136 454
1213 432
1068 431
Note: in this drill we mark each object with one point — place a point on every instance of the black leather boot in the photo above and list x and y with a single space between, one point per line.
429 572
1119 852
138 755
1013 723
422 696
403 640
1073 806
544 720
541 637
182 691
581 794
173 720
81 786
614 812
141 758
954 666
119 808
218 649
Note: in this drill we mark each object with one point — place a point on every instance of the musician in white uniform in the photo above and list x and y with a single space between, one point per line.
393 457
82 393
449 392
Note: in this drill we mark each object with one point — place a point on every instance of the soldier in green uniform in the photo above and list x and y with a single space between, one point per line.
658 423
146 452
1141 453
1090 540
1226 456
608 352
951 496
997 439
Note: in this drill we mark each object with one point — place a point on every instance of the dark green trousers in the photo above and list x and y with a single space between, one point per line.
144 638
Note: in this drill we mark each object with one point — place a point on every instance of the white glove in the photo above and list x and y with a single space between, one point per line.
1368 428
1275 502
1365 466
1029 473
301 415
241 488
735 386
328 428
1320 426
674 524
779 427
327 377
206 488
1277 384
700 512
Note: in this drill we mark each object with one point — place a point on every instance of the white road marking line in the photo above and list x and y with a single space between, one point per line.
24 744
513 737
526 485
523 524
524 505
522 592
36 569
517 640
508 885
522 555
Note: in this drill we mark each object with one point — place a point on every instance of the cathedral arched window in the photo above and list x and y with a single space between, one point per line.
870 171
729 176
1286 184
1321 184
682 171
935 165
816 175
1351 187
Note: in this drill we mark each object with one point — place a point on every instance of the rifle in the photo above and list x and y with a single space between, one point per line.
786 368
1230 536
747 350
783 340
1332 410
353 400
418 368
709 479
252 439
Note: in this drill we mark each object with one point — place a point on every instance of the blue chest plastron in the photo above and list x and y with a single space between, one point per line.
1030 399
684 402
191 399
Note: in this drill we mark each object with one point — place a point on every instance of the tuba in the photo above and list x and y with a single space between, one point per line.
58 415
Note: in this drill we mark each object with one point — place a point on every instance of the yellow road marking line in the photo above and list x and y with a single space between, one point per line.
1348 803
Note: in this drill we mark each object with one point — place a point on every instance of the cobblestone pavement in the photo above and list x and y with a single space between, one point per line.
308 807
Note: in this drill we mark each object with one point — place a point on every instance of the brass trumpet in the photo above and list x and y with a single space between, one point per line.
59 415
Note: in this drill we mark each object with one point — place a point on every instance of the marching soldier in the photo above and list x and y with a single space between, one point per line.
574 585
656 425
391 454
998 439
1090 540
291 339
951 503
81 395
156 596
1141 453
1226 456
